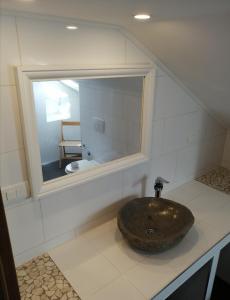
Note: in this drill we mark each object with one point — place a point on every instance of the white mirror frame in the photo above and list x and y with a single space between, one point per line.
27 74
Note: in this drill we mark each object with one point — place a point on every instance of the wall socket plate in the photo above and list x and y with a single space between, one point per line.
15 192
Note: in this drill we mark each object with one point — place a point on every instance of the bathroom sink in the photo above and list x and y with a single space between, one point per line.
154 224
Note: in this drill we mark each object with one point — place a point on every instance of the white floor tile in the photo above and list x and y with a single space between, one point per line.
91 275
187 192
119 289
148 278
71 254
122 256
103 236
210 202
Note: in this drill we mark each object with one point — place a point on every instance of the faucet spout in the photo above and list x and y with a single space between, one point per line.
158 186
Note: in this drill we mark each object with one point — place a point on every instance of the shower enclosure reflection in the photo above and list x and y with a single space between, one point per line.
82 123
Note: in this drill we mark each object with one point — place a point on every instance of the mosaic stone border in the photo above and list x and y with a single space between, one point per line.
218 179
40 279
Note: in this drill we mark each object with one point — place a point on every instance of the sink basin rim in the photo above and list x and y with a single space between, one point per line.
155 243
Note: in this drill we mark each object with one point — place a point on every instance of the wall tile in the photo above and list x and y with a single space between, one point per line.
134 55
163 166
171 100
212 127
48 42
160 72
189 162
13 167
71 208
135 180
184 130
9 51
157 137
175 133
10 126
226 156
25 226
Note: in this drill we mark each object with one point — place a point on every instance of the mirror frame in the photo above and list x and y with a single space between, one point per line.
27 74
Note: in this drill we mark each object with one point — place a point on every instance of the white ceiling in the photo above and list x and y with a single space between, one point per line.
191 37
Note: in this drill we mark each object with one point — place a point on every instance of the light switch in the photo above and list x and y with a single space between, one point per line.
11 194
4 197
14 192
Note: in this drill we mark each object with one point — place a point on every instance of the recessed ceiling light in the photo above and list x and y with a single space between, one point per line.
71 27
142 17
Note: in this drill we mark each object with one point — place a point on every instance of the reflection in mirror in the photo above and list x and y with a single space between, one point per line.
83 123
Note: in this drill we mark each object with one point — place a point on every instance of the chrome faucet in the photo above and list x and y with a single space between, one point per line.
158 186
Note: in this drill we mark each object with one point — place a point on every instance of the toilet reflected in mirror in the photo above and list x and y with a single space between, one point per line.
82 123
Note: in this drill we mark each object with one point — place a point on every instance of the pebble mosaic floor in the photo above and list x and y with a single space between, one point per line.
40 279
218 179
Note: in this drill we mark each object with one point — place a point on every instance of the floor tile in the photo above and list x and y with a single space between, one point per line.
91 275
72 253
149 279
119 289
103 236
187 192
122 256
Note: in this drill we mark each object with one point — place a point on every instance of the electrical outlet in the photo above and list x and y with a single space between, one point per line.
15 192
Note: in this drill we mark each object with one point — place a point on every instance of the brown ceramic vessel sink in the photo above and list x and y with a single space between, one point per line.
154 224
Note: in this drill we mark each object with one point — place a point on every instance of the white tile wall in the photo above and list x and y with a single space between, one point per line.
119 107
171 100
226 157
10 126
72 208
25 226
135 55
13 167
185 139
9 50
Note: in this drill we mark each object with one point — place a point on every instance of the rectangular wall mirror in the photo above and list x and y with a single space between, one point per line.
80 124
87 122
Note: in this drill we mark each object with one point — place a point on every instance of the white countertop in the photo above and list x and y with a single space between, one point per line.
100 265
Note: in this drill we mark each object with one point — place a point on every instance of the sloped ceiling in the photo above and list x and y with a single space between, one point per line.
191 37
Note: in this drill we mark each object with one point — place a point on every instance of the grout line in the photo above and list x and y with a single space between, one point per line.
18 39
13 150
42 220
126 50
7 85
59 19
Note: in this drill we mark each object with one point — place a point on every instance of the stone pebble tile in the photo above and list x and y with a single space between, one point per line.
40 279
218 179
